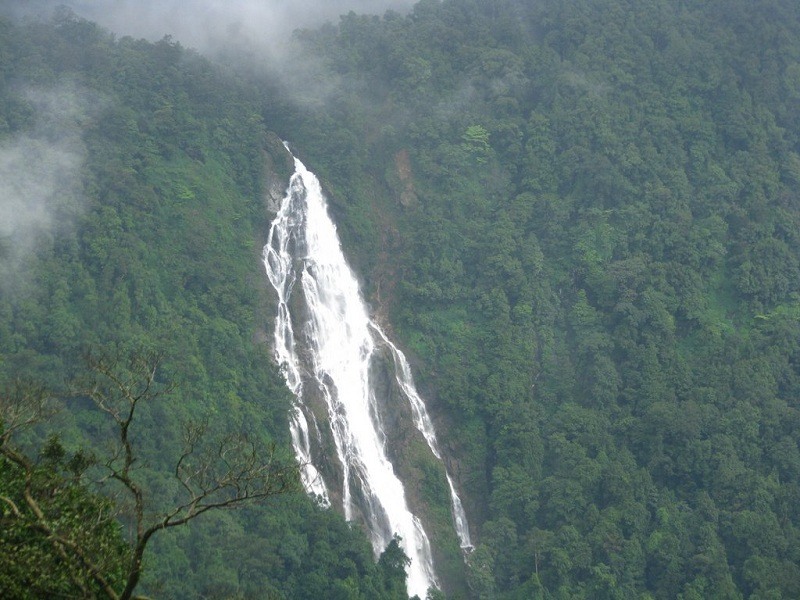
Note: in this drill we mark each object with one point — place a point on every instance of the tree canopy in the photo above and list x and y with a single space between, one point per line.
580 218
598 277
135 190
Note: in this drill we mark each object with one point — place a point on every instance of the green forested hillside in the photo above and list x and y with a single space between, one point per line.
580 217
583 220
134 213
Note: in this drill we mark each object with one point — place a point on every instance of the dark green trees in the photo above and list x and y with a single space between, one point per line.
57 538
598 278
162 251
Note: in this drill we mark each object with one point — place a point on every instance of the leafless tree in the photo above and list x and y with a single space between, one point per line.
212 472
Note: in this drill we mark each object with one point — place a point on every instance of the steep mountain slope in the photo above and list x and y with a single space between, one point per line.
583 219
135 181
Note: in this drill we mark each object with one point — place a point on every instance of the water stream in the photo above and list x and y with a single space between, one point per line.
325 344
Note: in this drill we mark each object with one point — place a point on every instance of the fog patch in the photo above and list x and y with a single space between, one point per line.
255 36
40 176
210 25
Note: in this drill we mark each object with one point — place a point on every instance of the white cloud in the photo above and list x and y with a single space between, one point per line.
207 25
40 188
255 33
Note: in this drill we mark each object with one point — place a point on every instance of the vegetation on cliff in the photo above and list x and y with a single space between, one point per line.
581 218
134 210
599 276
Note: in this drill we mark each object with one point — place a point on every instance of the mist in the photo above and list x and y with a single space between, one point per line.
255 36
210 26
40 169
40 176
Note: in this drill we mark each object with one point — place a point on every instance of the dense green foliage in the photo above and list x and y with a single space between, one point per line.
583 219
157 246
32 566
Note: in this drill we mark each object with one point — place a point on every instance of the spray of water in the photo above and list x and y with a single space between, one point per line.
325 343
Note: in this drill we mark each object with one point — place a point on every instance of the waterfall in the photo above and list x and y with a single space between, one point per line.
422 422
325 344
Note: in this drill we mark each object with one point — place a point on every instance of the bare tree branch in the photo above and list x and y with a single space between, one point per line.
23 404
211 472
70 552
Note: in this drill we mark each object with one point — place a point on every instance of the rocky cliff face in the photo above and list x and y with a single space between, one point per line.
402 163
278 168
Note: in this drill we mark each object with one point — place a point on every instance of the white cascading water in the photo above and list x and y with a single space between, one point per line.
338 343
423 423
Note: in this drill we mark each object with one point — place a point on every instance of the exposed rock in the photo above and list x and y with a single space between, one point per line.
278 169
402 162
